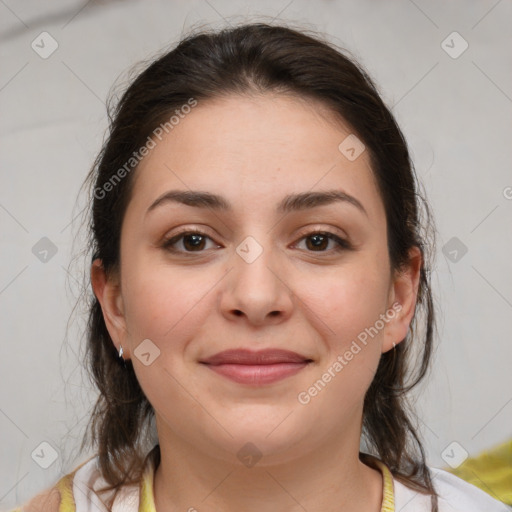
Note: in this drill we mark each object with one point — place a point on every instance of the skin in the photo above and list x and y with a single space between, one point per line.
254 150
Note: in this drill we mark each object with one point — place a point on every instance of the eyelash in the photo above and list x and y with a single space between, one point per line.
342 244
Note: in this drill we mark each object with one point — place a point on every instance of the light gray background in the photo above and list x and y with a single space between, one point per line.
455 113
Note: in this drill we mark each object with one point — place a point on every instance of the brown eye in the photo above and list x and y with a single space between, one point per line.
319 242
191 241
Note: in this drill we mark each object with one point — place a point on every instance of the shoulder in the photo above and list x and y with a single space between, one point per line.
85 489
463 495
47 501
59 498
455 495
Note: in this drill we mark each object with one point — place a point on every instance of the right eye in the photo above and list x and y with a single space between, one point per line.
191 241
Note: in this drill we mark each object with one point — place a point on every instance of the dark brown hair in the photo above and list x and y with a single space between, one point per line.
255 59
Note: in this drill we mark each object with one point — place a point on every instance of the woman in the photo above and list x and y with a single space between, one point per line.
260 279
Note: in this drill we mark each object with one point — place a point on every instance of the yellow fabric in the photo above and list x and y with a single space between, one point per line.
491 471
147 500
388 495
65 487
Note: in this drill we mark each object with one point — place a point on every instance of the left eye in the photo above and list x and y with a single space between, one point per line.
320 240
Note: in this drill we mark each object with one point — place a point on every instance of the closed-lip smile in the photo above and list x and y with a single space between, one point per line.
256 367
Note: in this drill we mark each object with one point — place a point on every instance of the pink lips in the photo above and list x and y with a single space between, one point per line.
256 368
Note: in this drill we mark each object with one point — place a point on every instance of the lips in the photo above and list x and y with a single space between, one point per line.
256 368
255 358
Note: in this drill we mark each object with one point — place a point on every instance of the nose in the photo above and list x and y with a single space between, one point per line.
256 289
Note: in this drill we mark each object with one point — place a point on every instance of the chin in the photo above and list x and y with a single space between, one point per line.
260 444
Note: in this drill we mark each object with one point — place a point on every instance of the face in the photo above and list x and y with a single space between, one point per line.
256 271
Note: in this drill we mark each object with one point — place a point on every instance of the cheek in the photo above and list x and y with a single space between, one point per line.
345 309
163 304
346 303
168 307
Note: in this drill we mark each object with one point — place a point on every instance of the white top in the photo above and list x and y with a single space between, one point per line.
455 494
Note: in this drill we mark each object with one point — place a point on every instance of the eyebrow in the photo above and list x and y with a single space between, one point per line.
290 203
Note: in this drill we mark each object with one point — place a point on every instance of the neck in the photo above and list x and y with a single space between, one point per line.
330 478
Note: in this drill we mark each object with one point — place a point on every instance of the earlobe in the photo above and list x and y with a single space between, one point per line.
108 292
403 297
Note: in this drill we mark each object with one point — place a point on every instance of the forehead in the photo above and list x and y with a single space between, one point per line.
258 148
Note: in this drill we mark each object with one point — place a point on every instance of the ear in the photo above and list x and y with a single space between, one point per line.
107 290
402 300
